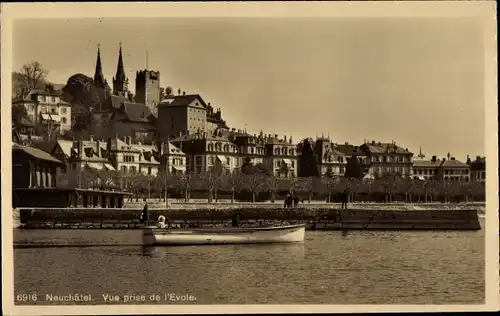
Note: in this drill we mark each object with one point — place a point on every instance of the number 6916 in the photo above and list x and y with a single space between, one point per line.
26 297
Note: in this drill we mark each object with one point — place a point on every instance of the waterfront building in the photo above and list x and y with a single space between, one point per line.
77 155
45 109
329 159
477 169
281 156
454 170
250 147
350 151
120 155
206 151
387 158
426 169
33 168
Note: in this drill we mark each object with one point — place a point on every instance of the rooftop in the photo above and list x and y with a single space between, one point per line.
35 153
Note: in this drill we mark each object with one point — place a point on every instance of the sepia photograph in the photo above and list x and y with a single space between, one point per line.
217 155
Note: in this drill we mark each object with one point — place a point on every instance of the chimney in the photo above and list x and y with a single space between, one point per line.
183 92
290 139
373 142
452 158
448 155
275 135
179 91
434 158
346 143
478 157
284 138
91 138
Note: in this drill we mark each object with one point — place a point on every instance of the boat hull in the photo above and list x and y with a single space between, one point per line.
219 236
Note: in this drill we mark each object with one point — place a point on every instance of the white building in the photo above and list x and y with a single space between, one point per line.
46 109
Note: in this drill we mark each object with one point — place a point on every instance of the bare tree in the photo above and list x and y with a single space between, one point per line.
32 75
328 184
232 182
254 181
273 184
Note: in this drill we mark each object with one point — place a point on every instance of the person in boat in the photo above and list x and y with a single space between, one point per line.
144 219
161 221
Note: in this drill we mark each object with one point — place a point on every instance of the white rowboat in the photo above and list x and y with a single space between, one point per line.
217 236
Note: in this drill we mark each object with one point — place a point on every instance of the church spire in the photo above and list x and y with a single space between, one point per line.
98 76
120 81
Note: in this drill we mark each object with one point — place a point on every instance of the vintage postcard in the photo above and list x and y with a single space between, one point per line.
249 157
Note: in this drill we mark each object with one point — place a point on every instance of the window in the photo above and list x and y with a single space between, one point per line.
252 150
149 170
44 109
30 117
132 169
228 161
63 120
198 160
63 111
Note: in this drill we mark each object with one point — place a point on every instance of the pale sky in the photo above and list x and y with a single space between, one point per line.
417 81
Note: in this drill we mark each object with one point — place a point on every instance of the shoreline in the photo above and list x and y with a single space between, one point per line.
369 217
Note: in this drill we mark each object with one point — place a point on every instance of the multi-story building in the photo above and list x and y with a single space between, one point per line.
251 147
329 159
281 156
46 109
206 151
453 170
426 169
387 158
187 114
478 169
352 151
121 155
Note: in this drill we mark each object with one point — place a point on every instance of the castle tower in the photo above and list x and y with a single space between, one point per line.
120 81
147 88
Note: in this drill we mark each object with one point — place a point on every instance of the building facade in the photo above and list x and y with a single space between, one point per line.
330 161
33 168
387 158
426 169
47 110
478 169
122 155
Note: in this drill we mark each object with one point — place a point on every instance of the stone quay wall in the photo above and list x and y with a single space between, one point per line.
368 216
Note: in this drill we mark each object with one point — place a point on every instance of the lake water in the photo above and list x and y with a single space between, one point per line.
361 267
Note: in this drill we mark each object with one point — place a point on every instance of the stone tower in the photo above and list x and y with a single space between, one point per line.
120 81
147 89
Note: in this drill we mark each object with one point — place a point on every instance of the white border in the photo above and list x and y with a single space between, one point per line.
484 9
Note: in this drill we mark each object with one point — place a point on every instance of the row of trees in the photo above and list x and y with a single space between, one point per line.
255 186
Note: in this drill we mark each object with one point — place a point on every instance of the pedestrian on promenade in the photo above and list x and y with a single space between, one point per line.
345 198
145 214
